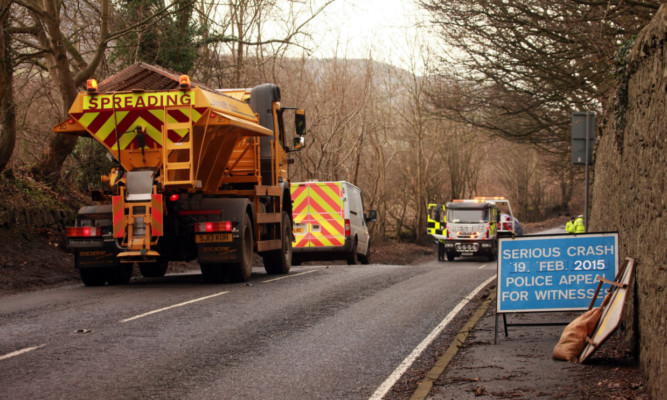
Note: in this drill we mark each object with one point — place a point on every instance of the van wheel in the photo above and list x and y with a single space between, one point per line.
352 257
280 261
366 258
241 271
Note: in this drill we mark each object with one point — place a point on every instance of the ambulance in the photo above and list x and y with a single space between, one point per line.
330 223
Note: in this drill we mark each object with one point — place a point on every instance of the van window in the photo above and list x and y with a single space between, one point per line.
355 201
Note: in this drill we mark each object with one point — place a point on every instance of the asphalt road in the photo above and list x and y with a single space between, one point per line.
321 332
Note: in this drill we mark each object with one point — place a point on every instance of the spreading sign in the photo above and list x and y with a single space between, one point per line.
553 273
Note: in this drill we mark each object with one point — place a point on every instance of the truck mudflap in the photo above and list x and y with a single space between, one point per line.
93 253
223 245
214 248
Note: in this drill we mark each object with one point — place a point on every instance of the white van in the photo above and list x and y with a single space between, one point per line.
329 222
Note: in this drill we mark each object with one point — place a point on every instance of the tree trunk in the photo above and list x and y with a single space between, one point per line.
7 106
51 38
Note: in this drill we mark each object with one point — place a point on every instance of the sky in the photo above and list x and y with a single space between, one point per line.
385 29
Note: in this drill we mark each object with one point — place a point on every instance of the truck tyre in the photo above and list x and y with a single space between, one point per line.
93 276
155 269
491 256
241 271
119 275
352 256
280 261
366 258
451 256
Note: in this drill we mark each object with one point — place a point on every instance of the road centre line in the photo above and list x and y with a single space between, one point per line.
290 276
174 306
483 266
22 351
382 390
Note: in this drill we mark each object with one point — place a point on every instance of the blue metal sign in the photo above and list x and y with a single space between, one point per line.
553 273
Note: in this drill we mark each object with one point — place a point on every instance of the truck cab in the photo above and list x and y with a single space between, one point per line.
474 226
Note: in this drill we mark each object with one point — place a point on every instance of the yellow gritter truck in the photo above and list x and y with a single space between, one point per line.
200 174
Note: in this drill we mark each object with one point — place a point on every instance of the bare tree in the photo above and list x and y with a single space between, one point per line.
251 37
464 155
7 106
51 34
522 66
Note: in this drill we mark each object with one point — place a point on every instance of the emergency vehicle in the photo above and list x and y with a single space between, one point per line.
329 222
474 226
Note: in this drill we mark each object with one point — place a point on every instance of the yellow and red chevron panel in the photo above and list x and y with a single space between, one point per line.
112 118
118 216
157 228
318 214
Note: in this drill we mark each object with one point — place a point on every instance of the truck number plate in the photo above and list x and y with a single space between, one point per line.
213 237
298 230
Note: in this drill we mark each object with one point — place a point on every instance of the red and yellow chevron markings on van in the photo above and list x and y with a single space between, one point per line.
103 115
318 205
299 194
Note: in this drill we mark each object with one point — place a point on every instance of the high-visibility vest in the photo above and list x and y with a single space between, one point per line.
436 219
569 227
579 226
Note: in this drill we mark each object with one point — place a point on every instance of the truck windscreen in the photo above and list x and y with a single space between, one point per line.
467 216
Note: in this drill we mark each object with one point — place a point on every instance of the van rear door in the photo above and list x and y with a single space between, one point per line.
318 214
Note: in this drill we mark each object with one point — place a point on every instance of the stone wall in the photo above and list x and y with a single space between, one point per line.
19 217
629 193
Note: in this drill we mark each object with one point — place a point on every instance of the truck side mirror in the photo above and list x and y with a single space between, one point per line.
300 122
299 143
372 216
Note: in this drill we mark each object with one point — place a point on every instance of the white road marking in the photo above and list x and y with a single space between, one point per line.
405 364
483 266
290 276
19 352
174 306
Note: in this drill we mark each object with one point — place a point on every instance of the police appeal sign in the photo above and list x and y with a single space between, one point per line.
553 273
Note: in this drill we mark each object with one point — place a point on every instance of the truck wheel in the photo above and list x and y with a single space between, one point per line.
280 261
155 269
366 258
491 256
451 256
119 275
93 276
241 271
352 257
